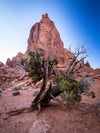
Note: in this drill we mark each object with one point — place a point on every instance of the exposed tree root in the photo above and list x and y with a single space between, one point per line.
41 100
57 100
38 111
18 111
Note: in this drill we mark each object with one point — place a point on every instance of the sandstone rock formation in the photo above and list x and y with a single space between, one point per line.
97 71
10 72
13 63
42 35
6 75
45 35
87 64
1 64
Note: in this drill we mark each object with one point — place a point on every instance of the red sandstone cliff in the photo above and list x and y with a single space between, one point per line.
45 35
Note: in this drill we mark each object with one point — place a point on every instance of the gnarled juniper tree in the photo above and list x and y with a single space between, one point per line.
70 90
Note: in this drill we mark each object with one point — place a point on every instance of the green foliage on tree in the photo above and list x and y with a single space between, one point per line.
35 65
53 61
23 61
71 90
36 62
57 79
92 94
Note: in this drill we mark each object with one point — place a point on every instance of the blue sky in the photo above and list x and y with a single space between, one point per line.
78 22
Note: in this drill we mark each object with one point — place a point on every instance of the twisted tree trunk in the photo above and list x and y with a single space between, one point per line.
44 96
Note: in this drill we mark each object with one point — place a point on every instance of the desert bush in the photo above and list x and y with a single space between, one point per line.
71 90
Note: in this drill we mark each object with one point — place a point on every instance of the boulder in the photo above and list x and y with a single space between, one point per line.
35 93
20 88
15 93
23 88
3 88
39 126
39 83
22 77
10 89
17 88
19 70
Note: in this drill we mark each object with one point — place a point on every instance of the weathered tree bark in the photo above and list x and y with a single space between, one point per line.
37 102
44 96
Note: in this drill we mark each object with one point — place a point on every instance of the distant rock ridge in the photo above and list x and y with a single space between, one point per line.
13 63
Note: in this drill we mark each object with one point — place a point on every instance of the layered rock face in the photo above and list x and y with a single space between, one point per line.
8 74
12 70
45 35
97 70
15 60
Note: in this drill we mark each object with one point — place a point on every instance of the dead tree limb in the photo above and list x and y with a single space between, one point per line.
58 100
76 63
18 111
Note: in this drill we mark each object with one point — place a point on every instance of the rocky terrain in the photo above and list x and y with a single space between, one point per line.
16 90
84 117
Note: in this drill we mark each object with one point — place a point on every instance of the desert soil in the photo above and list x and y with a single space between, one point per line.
84 117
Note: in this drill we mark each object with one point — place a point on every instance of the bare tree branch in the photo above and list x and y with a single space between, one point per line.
78 57
58 100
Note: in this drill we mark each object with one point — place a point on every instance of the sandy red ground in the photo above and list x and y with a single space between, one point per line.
82 118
